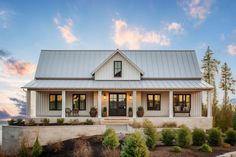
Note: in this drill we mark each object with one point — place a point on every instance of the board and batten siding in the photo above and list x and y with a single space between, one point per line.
106 72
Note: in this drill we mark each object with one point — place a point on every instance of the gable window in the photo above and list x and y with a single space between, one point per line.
55 102
79 101
154 102
182 102
117 68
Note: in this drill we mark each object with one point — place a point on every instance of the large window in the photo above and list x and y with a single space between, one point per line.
117 68
55 101
182 102
154 102
79 101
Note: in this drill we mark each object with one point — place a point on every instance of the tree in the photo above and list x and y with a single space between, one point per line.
209 70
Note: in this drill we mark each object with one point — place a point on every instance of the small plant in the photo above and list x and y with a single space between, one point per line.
110 153
82 149
135 146
55 147
110 140
206 148
199 137
93 112
214 137
130 111
176 149
150 134
104 112
88 122
74 122
136 124
230 137
168 136
23 150
11 122
30 122
20 122
226 145
37 149
45 121
140 111
169 125
184 137
60 121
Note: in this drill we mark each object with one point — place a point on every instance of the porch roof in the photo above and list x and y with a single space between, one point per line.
120 85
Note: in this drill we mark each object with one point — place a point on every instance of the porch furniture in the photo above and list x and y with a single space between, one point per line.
180 109
68 112
75 112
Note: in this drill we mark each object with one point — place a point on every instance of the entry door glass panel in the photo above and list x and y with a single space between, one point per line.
117 105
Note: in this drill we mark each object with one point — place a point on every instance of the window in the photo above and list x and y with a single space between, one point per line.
182 102
154 102
117 68
79 101
55 101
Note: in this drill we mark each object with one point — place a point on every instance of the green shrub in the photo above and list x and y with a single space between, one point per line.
168 136
214 137
60 121
206 148
184 137
11 122
23 150
169 125
150 134
176 149
30 122
110 139
88 122
199 137
37 149
230 137
45 121
134 146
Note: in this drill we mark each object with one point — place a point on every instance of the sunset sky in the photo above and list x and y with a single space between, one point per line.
26 27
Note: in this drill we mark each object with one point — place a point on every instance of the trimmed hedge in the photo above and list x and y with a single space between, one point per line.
184 137
110 140
168 136
230 136
215 137
199 137
150 134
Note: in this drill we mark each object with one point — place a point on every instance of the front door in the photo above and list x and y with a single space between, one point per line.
117 104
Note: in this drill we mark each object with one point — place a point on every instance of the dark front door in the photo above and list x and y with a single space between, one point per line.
117 104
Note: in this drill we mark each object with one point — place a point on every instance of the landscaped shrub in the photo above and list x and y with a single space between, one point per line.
110 139
55 147
37 149
74 122
230 137
150 134
184 137
199 137
20 122
169 125
226 145
168 136
11 122
60 121
134 146
214 137
136 124
88 122
30 122
110 153
45 121
82 149
206 148
176 149
23 150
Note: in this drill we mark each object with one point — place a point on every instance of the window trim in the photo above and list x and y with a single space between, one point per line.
190 104
116 68
56 102
152 108
79 102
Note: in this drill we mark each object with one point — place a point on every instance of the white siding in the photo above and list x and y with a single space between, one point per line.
196 104
106 72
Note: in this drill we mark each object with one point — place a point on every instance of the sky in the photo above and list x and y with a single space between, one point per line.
26 27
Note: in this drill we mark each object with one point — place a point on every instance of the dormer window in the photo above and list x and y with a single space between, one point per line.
117 68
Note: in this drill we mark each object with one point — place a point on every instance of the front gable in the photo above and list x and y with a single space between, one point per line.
129 71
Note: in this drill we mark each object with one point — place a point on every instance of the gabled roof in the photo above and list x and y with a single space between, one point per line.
157 64
113 54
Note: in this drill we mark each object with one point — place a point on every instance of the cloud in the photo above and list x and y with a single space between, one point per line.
132 37
4 18
175 27
197 9
231 49
66 30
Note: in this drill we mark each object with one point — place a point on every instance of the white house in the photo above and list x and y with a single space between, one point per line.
166 83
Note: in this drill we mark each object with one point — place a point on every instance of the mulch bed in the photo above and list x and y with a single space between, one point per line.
95 143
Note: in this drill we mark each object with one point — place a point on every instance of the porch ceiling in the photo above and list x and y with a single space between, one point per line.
122 85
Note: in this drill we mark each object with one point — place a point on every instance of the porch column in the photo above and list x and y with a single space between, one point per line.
99 104
134 103
63 114
209 104
28 100
171 104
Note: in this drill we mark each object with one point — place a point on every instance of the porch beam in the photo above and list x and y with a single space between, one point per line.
99 104
28 100
134 103
171 104
209 112
63 114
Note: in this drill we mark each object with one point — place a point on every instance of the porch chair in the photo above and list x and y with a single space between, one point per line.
68 112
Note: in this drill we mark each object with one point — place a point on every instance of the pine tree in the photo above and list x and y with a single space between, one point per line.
209 70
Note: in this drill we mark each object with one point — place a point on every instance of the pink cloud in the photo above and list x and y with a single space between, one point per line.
132 37
175 27
231 49
66 30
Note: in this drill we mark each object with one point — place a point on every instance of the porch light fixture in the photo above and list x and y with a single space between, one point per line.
130 97
104 96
